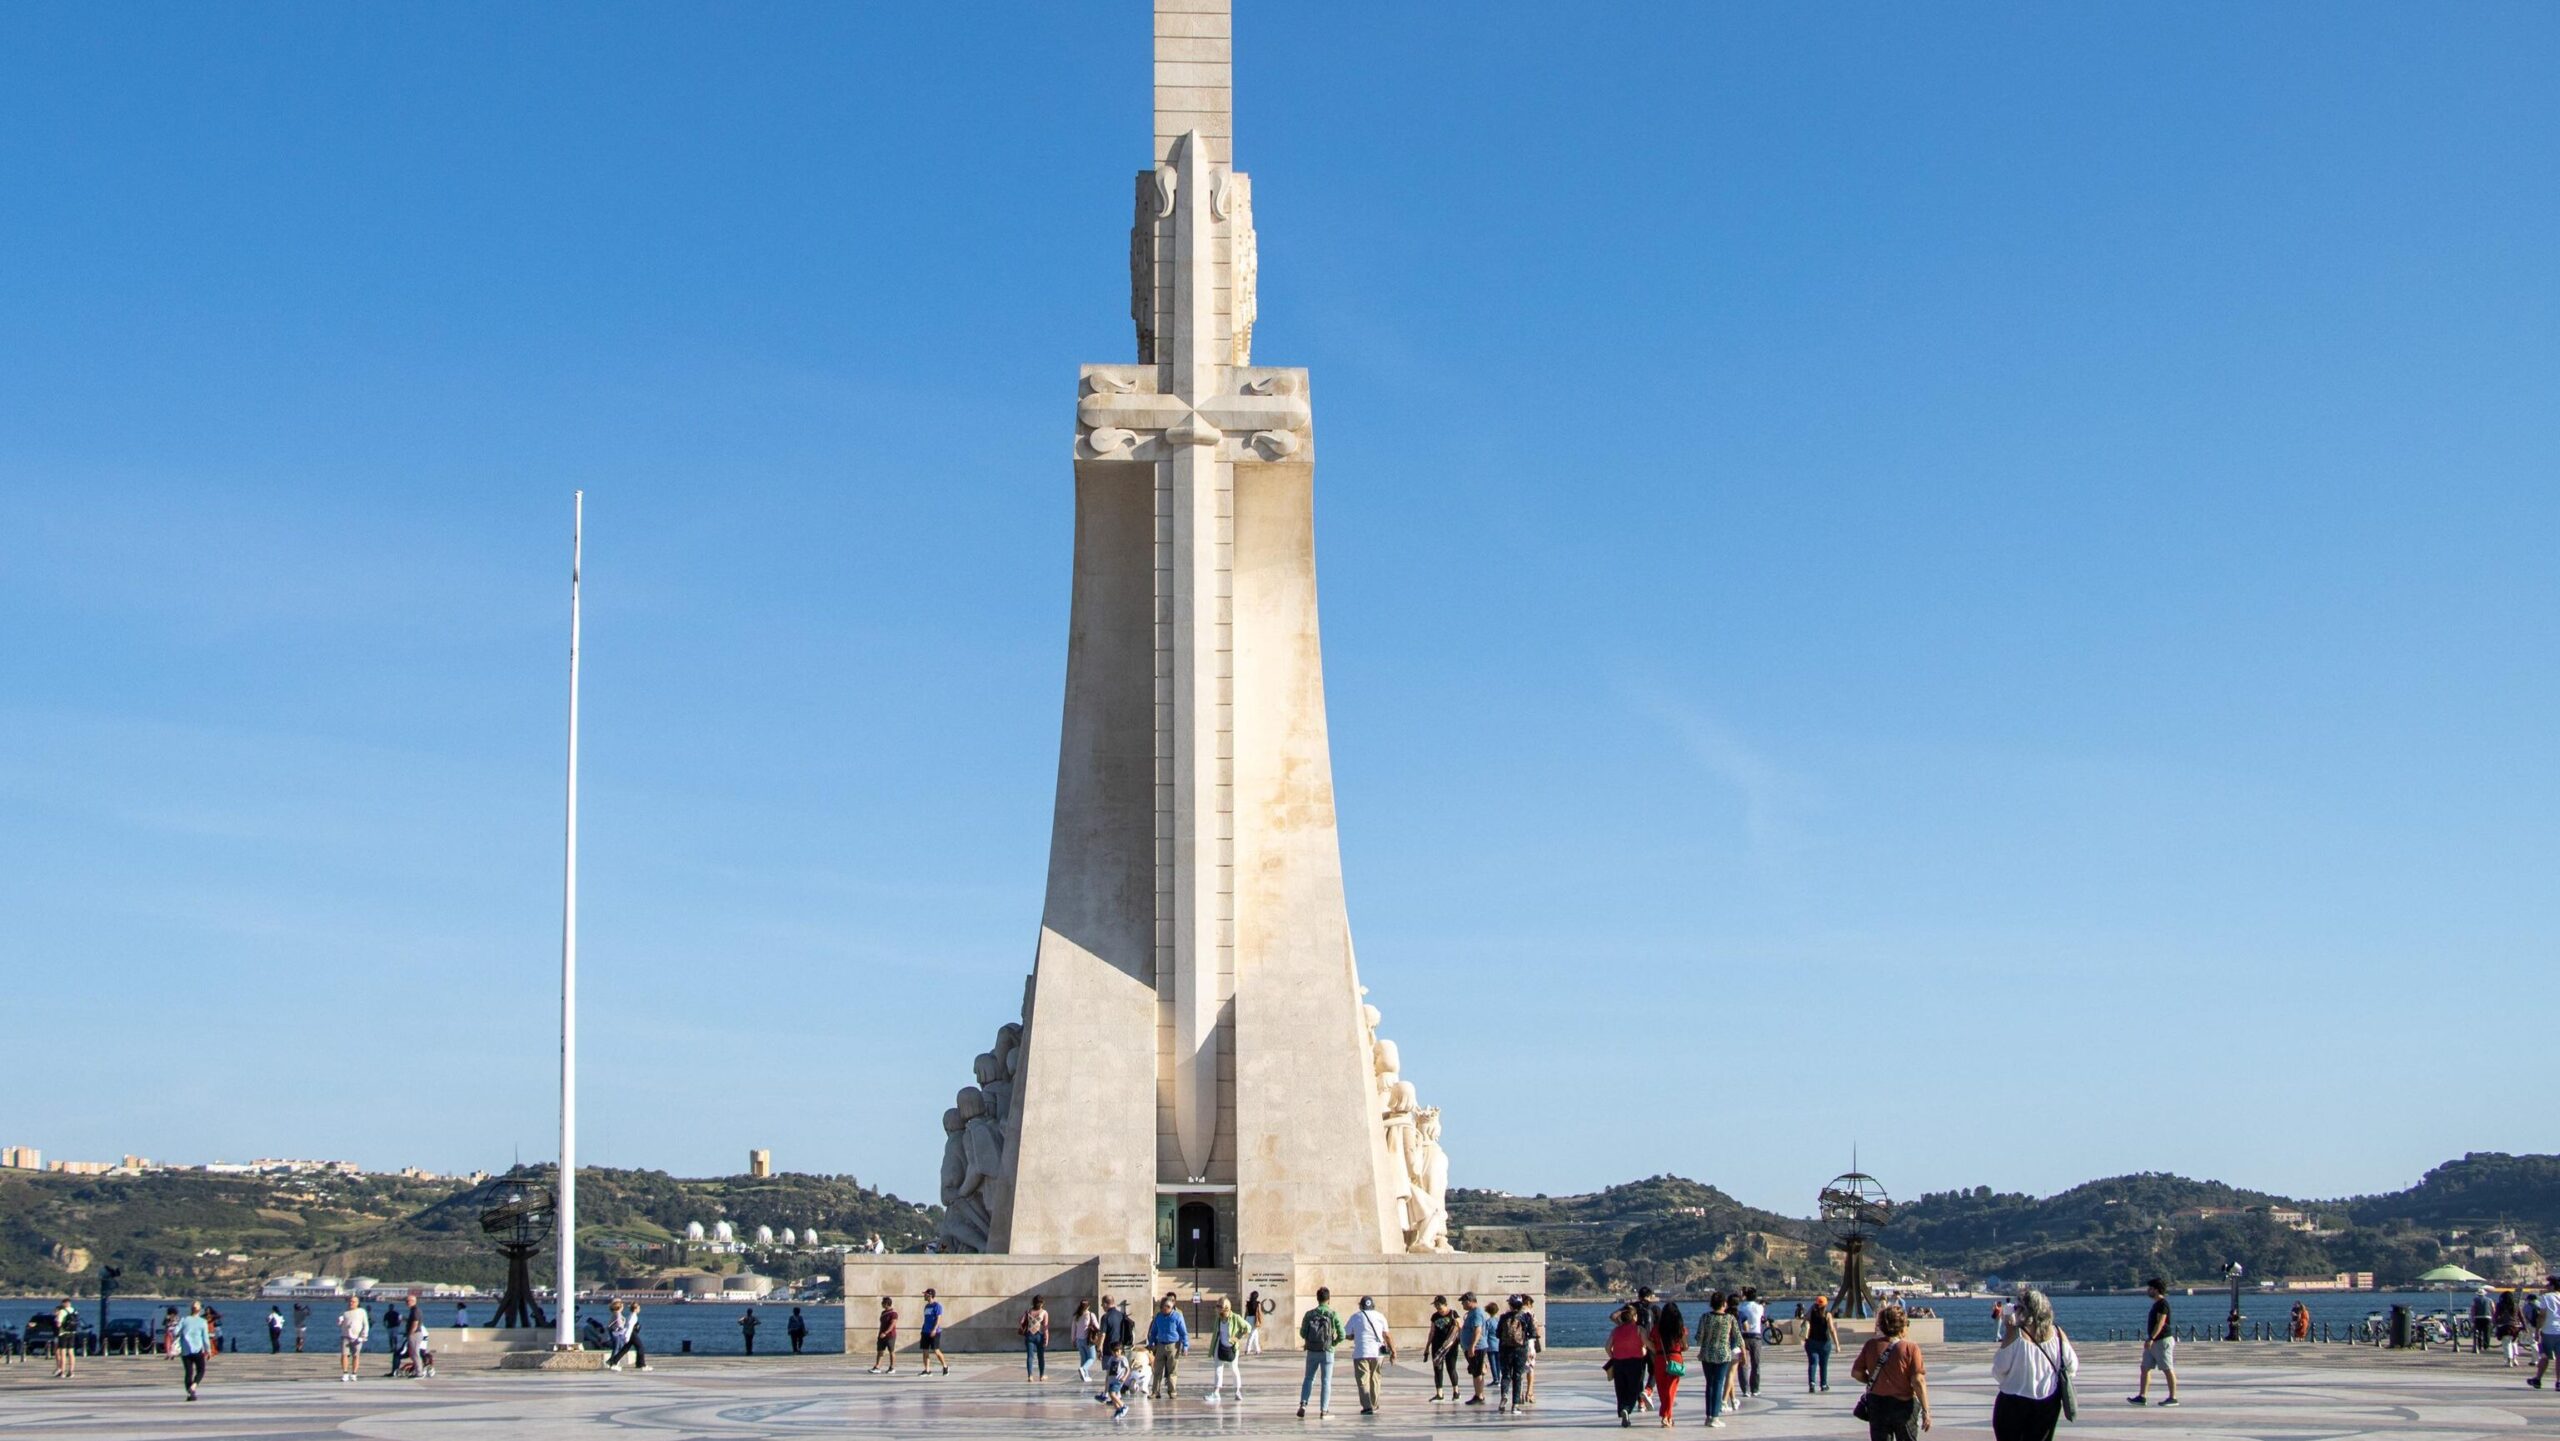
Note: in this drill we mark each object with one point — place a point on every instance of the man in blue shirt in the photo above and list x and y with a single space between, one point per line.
1475 1338
929 1336
194 1340
1167 1338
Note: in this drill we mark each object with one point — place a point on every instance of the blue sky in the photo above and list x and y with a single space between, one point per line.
1975 582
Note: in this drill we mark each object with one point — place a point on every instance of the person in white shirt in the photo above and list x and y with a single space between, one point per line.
1370 1347
1755 1321
354 1329
2031 1370
2548 1304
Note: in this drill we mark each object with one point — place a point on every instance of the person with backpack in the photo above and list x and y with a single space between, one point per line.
2033 1370
1896 1375
797 1328
1033 1328
1515 1338
1319 1331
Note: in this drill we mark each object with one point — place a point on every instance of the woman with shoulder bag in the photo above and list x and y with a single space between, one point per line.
1890 1366
1670 1356
2033 1368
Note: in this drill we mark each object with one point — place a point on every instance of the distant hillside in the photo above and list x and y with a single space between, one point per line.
2492 1213
2485 1188
183 1227
1667 1232
2488 1211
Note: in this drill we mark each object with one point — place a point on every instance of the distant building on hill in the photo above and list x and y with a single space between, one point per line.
21 1158
760 1164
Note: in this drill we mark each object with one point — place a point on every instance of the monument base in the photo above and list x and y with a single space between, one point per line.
547 1360
983 1297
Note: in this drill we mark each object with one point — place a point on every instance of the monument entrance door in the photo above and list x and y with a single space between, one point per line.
1195 1236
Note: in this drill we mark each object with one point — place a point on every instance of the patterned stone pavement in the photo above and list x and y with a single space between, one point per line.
2264 1393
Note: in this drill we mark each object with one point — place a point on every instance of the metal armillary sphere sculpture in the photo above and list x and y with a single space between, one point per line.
1854 1206
521 1223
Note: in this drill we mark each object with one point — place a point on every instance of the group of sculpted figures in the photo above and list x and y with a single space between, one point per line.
973 1147
973 1143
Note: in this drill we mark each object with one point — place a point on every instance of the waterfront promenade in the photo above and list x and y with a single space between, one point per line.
2267 1392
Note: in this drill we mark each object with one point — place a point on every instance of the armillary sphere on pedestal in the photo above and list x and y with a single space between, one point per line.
1854 1206
521 1222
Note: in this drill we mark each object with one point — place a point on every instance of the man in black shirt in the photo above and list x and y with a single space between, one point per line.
2159 1348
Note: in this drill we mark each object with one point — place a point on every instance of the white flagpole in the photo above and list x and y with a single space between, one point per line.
565 1296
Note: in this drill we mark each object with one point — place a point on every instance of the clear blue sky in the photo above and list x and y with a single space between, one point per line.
1974 581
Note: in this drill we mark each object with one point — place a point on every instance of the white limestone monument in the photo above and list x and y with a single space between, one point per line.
1196 1095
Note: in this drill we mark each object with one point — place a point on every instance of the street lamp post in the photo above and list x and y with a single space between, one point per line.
2231 1326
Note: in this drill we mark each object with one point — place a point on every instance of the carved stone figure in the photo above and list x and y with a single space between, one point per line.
1427 1168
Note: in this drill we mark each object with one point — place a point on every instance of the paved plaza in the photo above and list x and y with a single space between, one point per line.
2274 1392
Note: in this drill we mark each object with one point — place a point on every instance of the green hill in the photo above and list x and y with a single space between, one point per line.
233 1232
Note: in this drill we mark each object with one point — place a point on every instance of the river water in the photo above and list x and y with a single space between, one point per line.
712 1326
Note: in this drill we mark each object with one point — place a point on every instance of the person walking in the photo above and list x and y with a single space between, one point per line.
1117 1379
1227 1336
1537 1344
929 1335
1319 1331
66 1340
1034 1330
1515 1341
1820 1336
1719 1344
1440 1348
354 1327
1896 1375
301 1323
1168 1337
617 1333
884 1350
275 1331
2033 1371
1371 1348
1668 1357
1117 1328
391 1335
195 1343
1475 1334
1255 1308
1627 1365
1086 1332
1754 1319
797 1328
2159 1348
1489 1338
2547 1346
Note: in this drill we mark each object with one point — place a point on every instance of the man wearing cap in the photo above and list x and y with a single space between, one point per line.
1371 1347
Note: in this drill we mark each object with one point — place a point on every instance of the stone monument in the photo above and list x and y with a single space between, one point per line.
1196 1096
